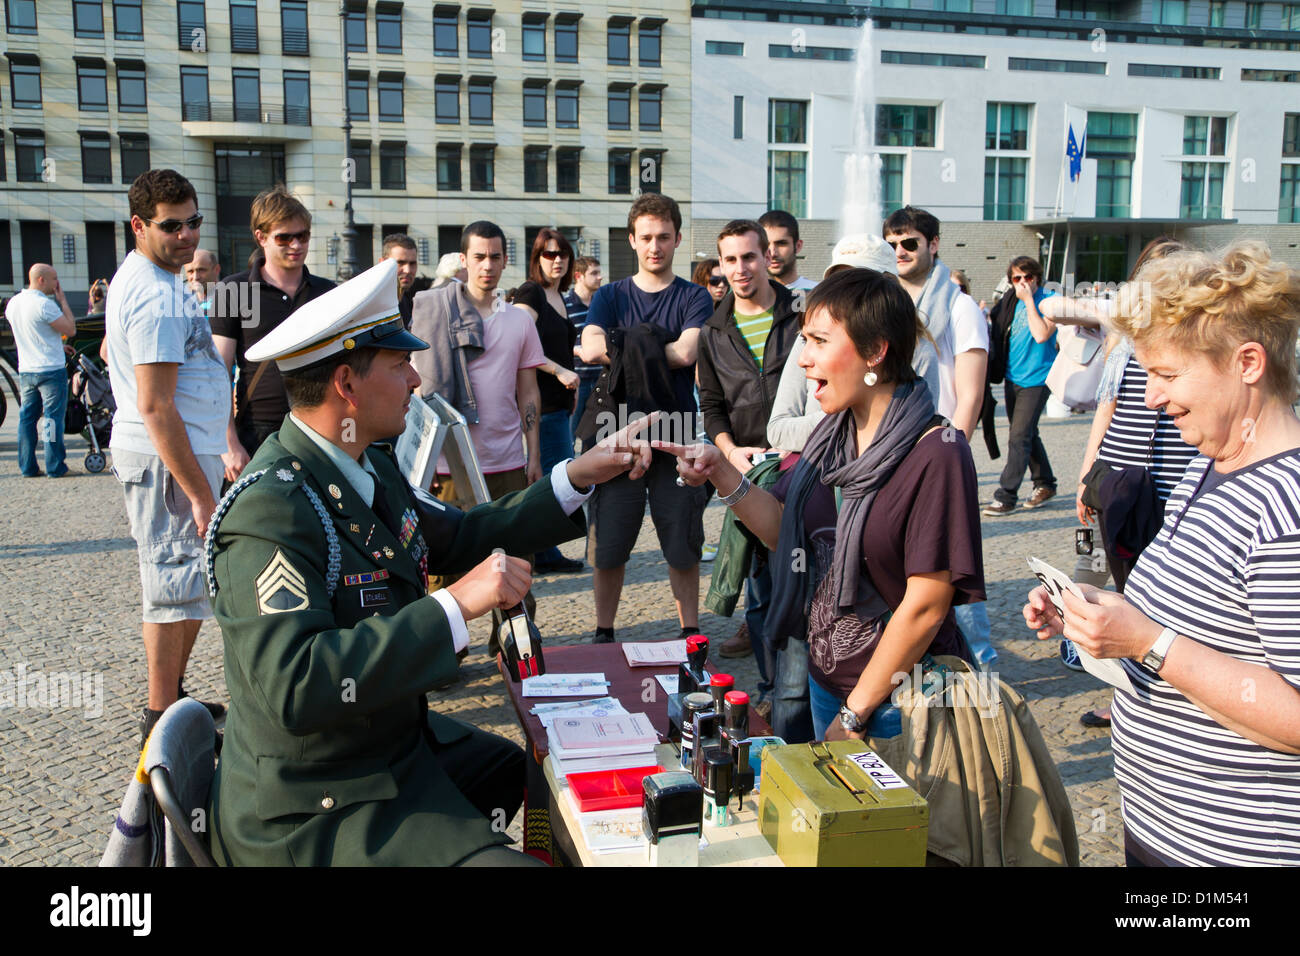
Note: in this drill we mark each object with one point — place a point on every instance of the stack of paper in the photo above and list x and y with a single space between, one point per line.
598 707
566 685
579 743
654 653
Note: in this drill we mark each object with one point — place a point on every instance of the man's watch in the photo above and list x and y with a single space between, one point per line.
1155 658
850 721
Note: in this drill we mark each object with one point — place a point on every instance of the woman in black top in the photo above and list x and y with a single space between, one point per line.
550 273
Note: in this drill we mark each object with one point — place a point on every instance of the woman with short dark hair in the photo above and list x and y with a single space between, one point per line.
708 273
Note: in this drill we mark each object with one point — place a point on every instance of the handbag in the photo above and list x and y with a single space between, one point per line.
1129 508
1076 371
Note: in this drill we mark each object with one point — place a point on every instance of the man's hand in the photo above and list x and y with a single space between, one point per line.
532 470
741 457
568 379
623 451
1024 291
202 512
697 463
499 582
235 459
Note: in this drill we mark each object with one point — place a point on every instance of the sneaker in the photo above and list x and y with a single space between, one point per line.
562 566
1040 497
1070 656
995 508
737 645
708 552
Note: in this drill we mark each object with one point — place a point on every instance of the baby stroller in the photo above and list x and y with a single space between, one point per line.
90 408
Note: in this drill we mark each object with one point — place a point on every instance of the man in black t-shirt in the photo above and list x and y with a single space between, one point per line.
248 305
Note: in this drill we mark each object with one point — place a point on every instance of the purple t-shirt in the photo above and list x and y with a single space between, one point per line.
682 305
925 519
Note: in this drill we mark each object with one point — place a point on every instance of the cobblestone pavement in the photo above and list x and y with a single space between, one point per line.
69 603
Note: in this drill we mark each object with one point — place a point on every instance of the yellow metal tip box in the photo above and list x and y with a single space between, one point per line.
839 804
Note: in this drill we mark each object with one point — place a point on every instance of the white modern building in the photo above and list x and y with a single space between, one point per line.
1191 111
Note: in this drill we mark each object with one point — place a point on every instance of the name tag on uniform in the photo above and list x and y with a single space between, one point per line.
374 597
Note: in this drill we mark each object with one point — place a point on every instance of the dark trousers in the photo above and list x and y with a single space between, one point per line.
791 706
758 594
1024 447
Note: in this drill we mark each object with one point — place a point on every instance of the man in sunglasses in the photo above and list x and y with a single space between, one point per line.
248 305
169 432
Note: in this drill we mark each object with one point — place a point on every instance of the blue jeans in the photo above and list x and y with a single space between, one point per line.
47 391
791 713
586 382
758 594
555 438
885 721
973 622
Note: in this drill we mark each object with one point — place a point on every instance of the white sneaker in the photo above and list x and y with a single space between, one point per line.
708 553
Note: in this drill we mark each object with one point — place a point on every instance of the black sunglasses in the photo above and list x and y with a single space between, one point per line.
170 226
911 243
553 254
286 239
717 280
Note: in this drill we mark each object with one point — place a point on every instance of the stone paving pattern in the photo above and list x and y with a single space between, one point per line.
69 601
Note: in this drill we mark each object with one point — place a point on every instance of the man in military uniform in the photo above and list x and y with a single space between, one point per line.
319 557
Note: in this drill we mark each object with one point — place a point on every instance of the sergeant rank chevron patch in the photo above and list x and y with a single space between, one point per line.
280 587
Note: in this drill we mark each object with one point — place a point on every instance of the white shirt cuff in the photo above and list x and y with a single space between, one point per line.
459 631
570 499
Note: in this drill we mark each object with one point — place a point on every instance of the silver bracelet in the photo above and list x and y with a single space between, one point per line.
742 489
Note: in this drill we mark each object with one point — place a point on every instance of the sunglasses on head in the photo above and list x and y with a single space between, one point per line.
717 280
553 254
174 225
286 239
911 243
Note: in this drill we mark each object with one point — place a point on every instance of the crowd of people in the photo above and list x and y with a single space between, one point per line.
831 417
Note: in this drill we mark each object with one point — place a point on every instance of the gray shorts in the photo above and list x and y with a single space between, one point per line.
167 540
616 510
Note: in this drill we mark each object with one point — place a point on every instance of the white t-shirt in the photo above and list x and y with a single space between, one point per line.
40 348
803 282
967 329
152 317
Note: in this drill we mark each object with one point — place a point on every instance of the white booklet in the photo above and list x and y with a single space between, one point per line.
654 653
566 685
1056 582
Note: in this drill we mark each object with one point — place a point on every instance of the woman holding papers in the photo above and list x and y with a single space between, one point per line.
875 532
1207 751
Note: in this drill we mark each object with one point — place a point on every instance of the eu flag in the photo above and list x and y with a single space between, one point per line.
1074 151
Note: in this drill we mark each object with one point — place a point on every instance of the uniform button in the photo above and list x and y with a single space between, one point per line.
327 802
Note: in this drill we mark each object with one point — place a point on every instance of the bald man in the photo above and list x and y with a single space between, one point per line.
201 272
39 315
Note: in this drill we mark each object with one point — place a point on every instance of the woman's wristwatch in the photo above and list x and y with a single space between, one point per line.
850 721
1155 658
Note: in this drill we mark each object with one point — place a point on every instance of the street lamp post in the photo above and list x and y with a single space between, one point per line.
347 260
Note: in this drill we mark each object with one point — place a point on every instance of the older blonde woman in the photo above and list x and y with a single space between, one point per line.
1207 752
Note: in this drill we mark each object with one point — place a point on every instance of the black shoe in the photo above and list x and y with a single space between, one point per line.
1091 719
995 508
148 720
216 710
562 566
604 635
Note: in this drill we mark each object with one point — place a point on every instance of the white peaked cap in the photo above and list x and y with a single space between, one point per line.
863 251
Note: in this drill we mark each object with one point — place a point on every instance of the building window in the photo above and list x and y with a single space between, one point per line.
619 114
194 93
1004 187
449 167
361 164
535 36
568 161
478 34
392 165
297 98
535 102
134 152
128 19
618 43
88 18
1169 12
191 23
354 27
388 28
1216 12
566 38
650 107
566 105
482 168
737 117
446 31
723 48
891 181
1288 200
248 96
243 26
20 16
1096 67
1205 135
784 51
1112 141
651 170
1291 135
446 99
358 96
787 121
92 86
1014 8
132 96
1101 259
294 39
620 172
29 155
964 6
1252 15
6 254
916 58
905 125
1291 16
649 41
787 181
1202 191
1006 126
391 99
480 101
4 172
96 158
25 82
535 163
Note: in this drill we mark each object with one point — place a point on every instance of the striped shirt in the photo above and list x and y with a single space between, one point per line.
577 310
754 329
1128 440
1223 571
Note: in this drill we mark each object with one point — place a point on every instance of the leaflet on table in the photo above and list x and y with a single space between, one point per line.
609 831
600 707
563 767
654 653
566 685
669 681
1055 581
595 736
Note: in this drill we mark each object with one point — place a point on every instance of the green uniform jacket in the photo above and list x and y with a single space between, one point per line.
325 758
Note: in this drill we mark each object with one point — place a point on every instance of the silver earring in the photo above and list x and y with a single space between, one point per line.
870 378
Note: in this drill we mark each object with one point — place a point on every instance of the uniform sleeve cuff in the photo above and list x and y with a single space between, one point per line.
459 630
570 498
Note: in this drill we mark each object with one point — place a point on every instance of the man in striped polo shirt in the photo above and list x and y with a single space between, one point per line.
743 349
